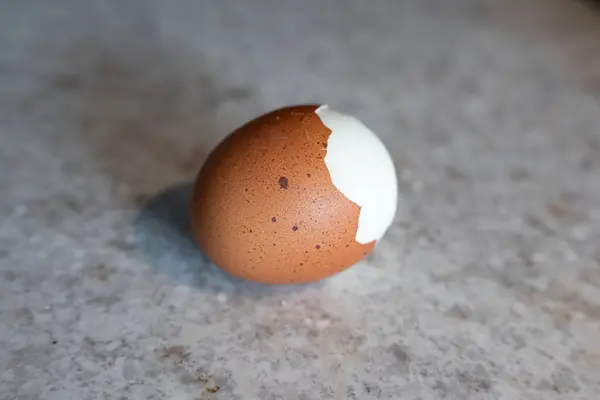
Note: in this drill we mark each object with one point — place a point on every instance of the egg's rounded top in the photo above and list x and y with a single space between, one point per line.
362 170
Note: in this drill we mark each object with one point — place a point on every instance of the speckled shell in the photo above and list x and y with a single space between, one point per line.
264 207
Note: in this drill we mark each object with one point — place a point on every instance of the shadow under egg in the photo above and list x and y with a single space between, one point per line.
163 236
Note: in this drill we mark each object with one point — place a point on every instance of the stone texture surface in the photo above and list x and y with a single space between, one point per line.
487 287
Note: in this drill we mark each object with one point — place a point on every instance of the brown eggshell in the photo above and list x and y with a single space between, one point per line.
264 207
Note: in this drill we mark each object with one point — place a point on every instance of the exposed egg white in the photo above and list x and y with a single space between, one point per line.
362 169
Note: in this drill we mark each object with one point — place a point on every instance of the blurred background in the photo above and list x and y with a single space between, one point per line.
487 286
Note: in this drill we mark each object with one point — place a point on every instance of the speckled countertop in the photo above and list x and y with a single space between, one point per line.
487 287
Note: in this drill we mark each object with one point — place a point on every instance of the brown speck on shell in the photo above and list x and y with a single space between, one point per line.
294 228
283 182
220 209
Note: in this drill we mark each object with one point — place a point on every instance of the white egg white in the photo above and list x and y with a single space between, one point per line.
362 169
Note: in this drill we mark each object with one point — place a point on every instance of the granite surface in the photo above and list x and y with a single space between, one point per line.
487 286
